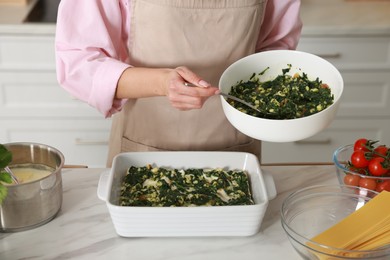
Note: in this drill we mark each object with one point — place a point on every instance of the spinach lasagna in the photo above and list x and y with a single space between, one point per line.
285 97
165 187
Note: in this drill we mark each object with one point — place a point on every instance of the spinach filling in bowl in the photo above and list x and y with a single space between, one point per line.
165 187
285 97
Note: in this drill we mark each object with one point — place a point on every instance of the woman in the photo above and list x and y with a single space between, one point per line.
131 58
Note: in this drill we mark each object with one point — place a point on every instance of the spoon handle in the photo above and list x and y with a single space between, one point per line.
13 177
230 97
240 100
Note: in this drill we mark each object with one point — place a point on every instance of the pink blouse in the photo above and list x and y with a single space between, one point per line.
91 45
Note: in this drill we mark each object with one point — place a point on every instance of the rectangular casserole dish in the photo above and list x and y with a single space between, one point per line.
187 221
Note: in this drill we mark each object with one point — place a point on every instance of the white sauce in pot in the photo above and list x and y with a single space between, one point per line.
30 172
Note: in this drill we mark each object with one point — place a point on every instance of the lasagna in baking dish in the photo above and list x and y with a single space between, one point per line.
165 187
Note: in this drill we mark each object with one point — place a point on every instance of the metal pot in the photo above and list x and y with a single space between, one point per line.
32 204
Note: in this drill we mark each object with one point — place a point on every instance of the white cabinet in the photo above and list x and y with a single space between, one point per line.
364 62
27 52
350 52
34 108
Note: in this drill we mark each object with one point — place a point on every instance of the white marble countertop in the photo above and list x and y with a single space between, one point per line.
83 228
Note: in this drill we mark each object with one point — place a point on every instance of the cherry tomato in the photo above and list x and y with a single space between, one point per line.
376 168
358 159
360 145
367 183
351 179
385 185
380 151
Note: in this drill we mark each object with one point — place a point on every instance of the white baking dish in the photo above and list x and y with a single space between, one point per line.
187 221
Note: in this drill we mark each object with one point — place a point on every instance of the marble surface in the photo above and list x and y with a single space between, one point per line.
83 228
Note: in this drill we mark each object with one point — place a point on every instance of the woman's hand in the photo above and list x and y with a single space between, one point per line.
136 82
186 98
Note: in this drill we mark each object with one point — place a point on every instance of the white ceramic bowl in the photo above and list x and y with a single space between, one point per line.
274 130
131 221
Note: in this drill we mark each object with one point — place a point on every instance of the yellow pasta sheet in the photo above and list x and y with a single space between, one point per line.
365 229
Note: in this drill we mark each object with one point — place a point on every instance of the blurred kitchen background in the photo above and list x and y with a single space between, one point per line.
354 35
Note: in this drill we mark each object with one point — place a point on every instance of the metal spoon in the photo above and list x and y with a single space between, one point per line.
231 97
13 177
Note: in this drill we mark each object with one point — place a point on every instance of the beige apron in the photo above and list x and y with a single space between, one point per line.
204 35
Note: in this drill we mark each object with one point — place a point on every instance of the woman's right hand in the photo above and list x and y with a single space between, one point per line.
187 98
137 82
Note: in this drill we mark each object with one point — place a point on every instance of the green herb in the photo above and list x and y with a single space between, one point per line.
157 186
285 97
5 159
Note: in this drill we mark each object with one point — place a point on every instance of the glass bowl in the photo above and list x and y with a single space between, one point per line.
347 176
310 211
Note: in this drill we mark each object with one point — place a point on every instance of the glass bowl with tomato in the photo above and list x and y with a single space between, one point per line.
365 164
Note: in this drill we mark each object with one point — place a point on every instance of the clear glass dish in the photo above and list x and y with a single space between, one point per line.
310 211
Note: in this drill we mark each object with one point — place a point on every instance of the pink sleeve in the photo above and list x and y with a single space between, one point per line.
281 28
91 50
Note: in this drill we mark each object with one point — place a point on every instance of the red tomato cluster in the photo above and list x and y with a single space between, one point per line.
369 159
